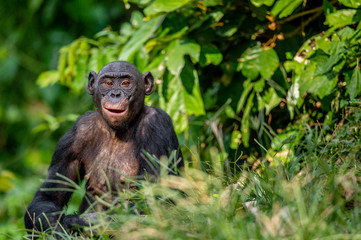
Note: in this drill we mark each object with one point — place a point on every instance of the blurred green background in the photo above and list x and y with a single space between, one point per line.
31 34
242 80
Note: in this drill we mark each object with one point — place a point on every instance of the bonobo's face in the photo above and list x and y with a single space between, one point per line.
119 90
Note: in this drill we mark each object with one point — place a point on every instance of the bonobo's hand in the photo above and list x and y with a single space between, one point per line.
74 221
91 217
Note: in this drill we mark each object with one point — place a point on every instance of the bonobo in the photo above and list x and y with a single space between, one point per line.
104 147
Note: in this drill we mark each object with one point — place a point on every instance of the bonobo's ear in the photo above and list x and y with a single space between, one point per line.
91 80
148 83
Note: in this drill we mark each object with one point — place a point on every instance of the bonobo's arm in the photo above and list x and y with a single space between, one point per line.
55 191
159 138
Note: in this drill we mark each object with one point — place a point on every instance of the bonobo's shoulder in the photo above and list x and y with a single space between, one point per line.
89 119
89 123
156 118
155 113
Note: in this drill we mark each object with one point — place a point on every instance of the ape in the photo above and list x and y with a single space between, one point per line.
105 145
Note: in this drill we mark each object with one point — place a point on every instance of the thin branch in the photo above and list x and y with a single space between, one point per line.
297 30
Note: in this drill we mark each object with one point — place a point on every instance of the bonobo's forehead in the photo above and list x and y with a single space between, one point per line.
121 68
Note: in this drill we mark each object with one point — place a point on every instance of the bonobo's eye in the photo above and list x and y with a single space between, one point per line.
108 82
126 84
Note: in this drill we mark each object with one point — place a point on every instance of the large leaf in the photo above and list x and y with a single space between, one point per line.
191 91
176 51
343 17
164 6
354 86
180 96
268 60
255 59
210 55
323 85
140 37
249 64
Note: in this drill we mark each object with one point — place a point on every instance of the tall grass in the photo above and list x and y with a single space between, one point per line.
315 194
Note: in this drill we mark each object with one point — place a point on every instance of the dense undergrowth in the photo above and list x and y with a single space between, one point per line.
264 96
313 193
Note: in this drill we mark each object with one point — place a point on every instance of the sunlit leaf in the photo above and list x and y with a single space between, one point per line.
351 3
326 65
140 37
192 96
249 64
136 19
210 55
343 17
256 58
47 78
322 85
176 51
268 60
284 8
164 6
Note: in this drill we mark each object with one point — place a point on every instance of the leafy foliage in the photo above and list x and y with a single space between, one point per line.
235 57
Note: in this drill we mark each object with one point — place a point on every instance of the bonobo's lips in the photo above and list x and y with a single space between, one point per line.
115 111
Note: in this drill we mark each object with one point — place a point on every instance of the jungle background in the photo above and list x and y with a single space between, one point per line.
264 97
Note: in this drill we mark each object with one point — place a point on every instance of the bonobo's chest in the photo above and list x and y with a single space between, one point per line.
109 160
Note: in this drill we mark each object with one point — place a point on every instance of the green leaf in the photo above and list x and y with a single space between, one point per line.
164 6
326 66
271 100
245 121
176 51
140 37
259 3
351 3
250 62
235 139
343 17
354 86
247 87
180 96
229 112
255 59
47 78
323 85
191 91
284 8
268 60
212 3
137 19
210 55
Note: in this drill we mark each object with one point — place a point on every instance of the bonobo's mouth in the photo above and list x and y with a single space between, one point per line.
115 111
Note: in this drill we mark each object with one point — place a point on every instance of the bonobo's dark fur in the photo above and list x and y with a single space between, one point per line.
104 145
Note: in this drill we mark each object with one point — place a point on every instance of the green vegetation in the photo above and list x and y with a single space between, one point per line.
263 95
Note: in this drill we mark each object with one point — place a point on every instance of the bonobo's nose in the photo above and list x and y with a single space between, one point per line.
116 93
